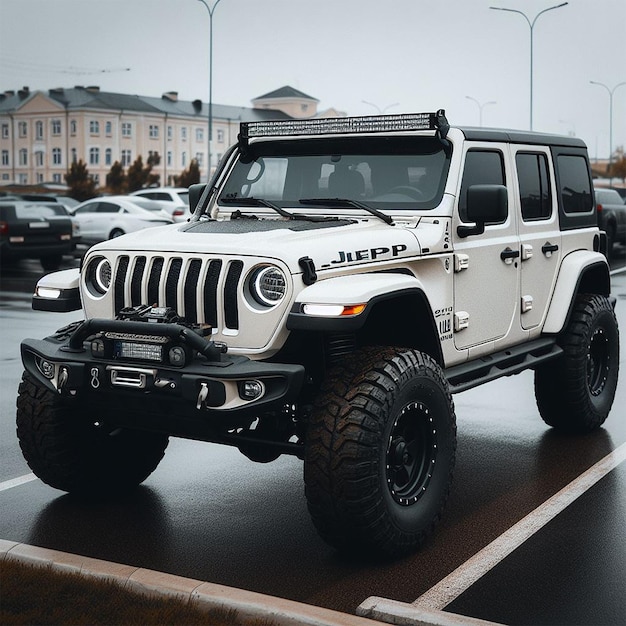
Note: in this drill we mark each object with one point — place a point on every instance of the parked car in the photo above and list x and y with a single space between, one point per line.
112 216
622 192
60 209
172 199
34 231
611 216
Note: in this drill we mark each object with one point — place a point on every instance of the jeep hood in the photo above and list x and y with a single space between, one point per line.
329 244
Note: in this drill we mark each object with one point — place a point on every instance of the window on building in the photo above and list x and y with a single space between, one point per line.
108 156
200 158
94 127
170 158
39 177
23 156
5 131
22 179
108 129
5 158
22 129
56 156
74 155
220 136
154 131
183 158
170 132
56 127
183 133
127 129
126 157
199 134
39 129
73 127
56 178
94 156
39 158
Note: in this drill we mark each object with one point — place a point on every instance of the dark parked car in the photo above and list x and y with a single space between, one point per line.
611 216
34 231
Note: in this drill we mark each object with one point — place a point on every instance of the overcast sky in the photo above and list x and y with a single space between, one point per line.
399 55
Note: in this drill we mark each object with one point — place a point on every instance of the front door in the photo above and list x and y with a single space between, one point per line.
487 266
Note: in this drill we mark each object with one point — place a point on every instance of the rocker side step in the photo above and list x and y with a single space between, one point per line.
504 363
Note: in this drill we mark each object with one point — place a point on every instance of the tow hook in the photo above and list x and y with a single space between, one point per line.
202 395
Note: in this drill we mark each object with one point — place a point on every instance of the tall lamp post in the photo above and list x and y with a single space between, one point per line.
211 10
531 25
381 111
480 108
611 92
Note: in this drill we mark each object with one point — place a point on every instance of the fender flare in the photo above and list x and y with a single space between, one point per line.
58 292
582 271
348 291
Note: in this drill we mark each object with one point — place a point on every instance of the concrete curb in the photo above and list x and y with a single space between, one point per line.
249 605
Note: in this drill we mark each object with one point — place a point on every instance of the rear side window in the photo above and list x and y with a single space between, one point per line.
482 167
534 186
575 186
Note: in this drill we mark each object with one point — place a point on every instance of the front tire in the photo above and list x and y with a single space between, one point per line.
575 392
78 454
380 452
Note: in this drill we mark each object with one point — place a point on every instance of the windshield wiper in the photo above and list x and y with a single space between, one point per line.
251 201
357 204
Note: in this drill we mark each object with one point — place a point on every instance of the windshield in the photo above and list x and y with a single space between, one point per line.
381 172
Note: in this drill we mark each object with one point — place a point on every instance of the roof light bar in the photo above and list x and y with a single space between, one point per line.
339 125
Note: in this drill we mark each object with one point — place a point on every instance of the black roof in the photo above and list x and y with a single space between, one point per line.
520 136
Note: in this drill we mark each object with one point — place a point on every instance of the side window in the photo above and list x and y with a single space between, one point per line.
108 207
534 186
482 167
575 186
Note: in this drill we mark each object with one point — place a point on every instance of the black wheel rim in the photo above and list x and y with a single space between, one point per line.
598 361
411 453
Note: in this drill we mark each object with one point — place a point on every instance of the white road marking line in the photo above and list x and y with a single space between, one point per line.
422 610
453 585
16 482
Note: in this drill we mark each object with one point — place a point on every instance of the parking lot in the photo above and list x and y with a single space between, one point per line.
505 552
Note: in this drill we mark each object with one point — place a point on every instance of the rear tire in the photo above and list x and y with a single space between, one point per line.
76 453
575 392
118 232
380 452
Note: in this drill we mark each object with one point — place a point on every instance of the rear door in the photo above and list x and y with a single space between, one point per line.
540 237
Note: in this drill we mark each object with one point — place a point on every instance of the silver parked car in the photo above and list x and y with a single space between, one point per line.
112 216
175 200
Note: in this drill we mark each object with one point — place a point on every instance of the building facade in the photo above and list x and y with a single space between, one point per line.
42 133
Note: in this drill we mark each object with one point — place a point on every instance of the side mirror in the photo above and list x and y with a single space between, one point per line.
195 192
486 204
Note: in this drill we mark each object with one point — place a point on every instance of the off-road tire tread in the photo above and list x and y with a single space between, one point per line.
69 454
342 450
561 388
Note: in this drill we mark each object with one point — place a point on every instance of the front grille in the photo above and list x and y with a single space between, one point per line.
203 291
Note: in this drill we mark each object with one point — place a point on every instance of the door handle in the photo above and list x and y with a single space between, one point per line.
549 248
508 254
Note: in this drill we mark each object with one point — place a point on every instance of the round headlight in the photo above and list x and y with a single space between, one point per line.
268 285
99 275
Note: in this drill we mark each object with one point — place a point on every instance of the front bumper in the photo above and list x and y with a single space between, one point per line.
211 388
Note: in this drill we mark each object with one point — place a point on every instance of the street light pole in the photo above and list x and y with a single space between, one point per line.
381 111
480 108
531 25
611 92
211 10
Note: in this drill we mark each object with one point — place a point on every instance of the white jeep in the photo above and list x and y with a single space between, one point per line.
339 280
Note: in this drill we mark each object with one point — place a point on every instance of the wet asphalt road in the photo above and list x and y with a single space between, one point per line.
210 514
